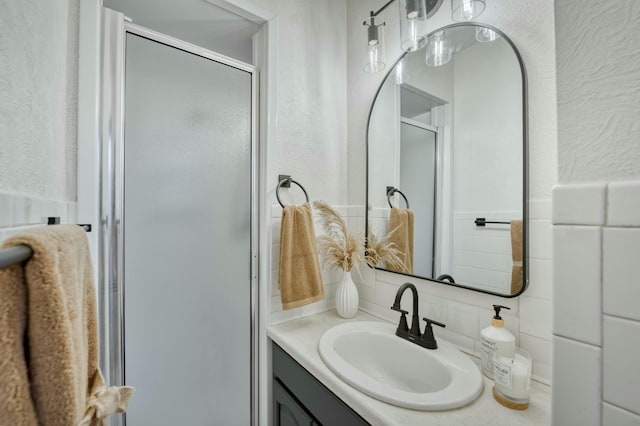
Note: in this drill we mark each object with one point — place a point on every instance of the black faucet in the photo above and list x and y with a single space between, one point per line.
426 340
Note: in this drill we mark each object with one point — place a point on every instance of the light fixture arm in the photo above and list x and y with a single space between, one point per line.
379 11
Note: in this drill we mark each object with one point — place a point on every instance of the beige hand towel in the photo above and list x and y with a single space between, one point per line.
401 225
516 256
49 371
299 276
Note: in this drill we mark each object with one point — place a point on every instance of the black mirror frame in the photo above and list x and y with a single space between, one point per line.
525 168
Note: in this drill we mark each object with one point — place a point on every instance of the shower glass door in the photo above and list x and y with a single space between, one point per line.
186 228
418 165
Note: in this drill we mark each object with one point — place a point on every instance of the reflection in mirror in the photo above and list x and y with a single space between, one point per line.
447 137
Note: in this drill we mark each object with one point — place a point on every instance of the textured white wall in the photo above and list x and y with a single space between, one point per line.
310 114
311 97
311 134
598 90
38 97
38 112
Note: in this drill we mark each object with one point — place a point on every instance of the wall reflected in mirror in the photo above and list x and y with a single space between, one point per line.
446 130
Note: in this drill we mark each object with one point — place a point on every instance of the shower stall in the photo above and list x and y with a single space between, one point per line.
178 238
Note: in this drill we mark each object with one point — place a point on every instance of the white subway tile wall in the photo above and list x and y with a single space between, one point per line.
577 266
620 355
582 204
621 272
6 207
616 416
19 212
577 383
482 255
596 318
623 208
535 317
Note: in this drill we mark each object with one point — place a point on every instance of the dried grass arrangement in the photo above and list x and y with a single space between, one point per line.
382 250
345 250
341 248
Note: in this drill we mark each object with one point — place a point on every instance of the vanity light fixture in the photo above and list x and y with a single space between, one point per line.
466 10
486 35
374 59
438 50
413 31
413 24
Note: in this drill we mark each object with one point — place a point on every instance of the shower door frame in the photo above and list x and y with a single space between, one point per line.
111 236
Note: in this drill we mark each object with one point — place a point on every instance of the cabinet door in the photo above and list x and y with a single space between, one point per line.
287 411
318 401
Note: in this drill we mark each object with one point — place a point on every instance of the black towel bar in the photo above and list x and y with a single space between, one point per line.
392 190
481 221
285 181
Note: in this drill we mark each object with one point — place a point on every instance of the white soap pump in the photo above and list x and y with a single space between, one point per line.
495 339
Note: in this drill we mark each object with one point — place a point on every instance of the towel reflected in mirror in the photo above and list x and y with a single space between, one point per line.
516 256
401 234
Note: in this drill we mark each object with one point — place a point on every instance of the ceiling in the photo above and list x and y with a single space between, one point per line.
194 21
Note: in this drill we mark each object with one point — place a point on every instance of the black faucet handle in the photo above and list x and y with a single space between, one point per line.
403 326
398 309
430 321
428 339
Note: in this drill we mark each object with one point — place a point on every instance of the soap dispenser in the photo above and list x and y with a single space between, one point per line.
495 339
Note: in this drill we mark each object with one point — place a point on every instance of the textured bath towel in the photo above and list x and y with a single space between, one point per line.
401 228
49 371
299 276
516 256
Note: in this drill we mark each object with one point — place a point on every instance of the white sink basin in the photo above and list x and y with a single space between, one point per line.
370 357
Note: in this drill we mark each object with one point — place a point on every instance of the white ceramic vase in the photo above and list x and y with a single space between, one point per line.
347 297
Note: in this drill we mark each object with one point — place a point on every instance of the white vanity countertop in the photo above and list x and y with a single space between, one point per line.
300 339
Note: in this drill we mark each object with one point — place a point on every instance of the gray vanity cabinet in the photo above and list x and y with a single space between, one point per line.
300 399
287 411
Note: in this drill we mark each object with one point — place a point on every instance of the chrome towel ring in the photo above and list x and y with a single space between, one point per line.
285 181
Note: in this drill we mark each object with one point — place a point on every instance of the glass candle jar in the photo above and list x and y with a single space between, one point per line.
512 377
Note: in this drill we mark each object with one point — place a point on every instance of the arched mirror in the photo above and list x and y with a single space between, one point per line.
446 162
